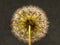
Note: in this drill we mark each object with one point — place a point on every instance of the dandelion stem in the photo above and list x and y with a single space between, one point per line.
29 35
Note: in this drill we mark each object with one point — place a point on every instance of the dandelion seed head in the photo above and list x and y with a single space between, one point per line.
33 16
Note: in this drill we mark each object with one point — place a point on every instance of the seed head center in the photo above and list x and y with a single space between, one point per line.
30 22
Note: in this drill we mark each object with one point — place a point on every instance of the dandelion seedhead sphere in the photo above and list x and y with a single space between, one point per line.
29 23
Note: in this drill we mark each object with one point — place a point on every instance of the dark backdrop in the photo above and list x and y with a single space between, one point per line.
52 9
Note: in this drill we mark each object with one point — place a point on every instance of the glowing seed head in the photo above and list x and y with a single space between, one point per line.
33 16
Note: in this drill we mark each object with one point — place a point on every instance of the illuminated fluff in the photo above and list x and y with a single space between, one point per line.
29 15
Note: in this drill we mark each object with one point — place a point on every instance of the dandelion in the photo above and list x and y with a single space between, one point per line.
29 24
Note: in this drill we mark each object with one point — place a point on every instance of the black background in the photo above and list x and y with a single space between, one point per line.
52 9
